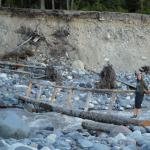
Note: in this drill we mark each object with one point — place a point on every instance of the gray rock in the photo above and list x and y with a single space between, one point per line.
130 147
19 87
98 146
19 146
119 137
4 145
142 129
42 124
45 148
146 147
128 141
3 76
144 140
62 144
120 129
136 135
147 129
75 135
83 143
51 139
12 126
116 148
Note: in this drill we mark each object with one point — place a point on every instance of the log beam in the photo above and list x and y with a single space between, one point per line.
95 116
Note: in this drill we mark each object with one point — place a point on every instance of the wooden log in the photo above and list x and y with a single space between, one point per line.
88 89
96 126
95 116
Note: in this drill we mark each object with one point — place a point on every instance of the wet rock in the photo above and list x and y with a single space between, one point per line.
120 129
12 126
83 143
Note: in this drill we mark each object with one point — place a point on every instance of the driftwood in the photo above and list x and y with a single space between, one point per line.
98 117
17 65
108 77
97 126
128 84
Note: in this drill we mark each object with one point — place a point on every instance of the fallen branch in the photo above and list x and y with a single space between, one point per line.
129 85
5 107
98 117
11 64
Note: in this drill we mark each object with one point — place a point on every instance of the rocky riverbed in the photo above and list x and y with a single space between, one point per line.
22 130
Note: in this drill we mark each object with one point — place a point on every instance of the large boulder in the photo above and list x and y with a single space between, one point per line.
121 129
78 64
12 126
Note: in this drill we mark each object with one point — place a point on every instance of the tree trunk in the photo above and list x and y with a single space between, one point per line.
43 4
98 117
141 5
72 4
0 3
96 126
53 4
68 4
21 4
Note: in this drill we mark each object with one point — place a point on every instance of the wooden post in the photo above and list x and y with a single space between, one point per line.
53 4
0 3
39 94
72 4
88 101
68 4
42 4
28 91
113 99
69 98
53 98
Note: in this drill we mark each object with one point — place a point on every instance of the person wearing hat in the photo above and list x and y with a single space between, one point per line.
141 89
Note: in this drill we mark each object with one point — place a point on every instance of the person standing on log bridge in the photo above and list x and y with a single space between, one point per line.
141 89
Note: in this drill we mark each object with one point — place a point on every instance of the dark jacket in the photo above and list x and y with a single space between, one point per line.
143 87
